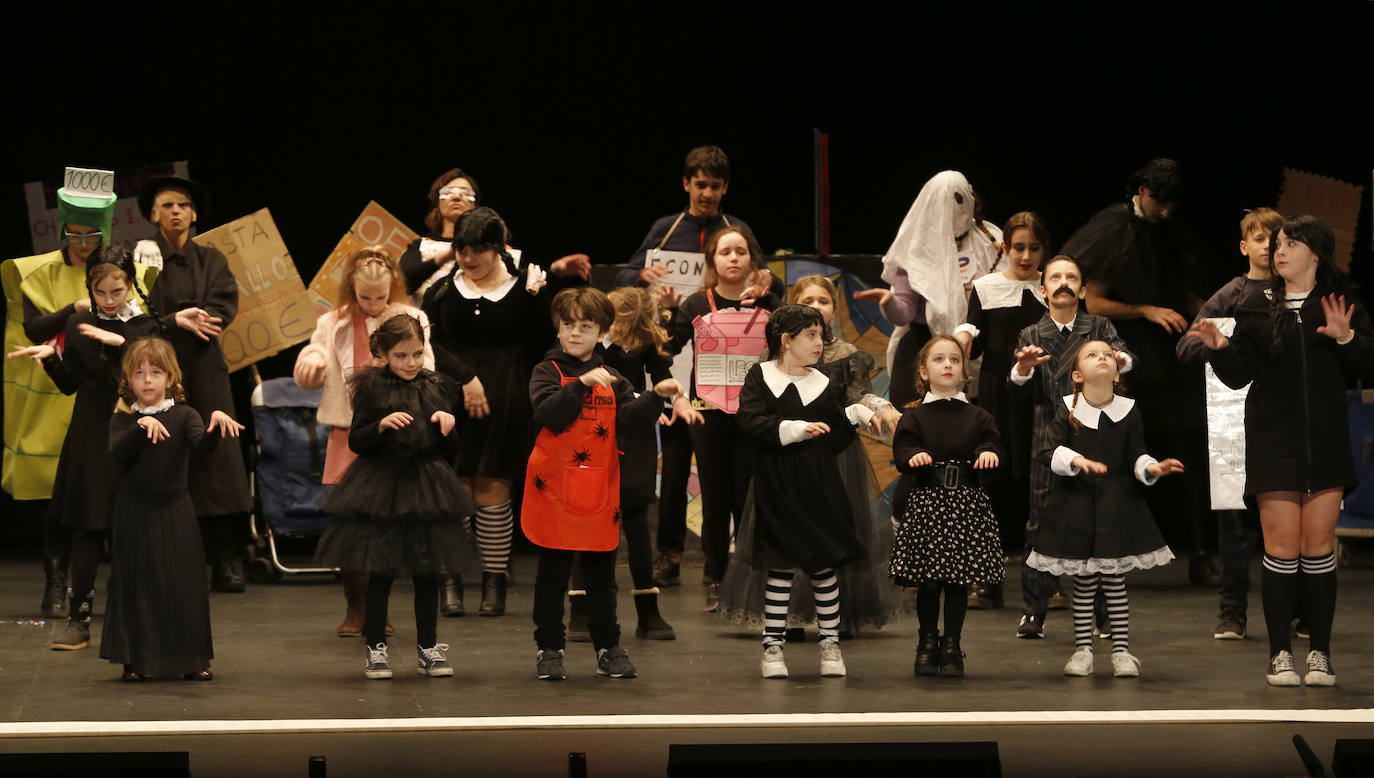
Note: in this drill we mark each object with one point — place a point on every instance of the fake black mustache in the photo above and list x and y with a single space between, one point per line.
1062 289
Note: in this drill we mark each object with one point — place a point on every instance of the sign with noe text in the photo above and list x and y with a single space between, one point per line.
375 226
276 311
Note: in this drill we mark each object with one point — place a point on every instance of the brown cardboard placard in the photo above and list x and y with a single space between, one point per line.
275 309
375 226
1334 202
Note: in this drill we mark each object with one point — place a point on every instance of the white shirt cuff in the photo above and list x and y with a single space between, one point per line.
1017 378
1130 363
792 431
1349 336
1062 461
858 415
972 331
1141 473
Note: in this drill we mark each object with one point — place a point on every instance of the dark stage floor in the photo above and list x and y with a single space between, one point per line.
278 663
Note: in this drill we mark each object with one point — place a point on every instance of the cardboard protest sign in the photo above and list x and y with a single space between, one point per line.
375 226
128 223
1334 202
686 269
275 309
728 343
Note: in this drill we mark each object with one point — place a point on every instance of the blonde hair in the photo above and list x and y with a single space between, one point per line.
815 279
1078 385
636 311
922 384
159 354
370 265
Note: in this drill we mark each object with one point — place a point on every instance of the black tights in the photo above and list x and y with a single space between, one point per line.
87 545
426 609
928 608
635 522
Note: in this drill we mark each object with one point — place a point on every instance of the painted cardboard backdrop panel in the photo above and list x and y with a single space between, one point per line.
275 309
1334 202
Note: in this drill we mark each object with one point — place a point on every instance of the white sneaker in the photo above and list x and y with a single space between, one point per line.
1080 663
1319 670
772 665
832 661
1281 672
1125 665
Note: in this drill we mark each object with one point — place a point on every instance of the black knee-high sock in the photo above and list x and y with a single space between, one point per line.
374 623
1279 584
426 610
956 605
928 607
85 560
1319 598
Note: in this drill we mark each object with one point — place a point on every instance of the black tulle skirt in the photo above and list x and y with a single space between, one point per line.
867 597
399 516
158 617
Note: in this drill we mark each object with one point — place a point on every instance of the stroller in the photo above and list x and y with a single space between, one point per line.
286 477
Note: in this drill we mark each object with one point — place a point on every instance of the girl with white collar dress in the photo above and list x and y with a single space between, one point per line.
796 418
1097 526
948 539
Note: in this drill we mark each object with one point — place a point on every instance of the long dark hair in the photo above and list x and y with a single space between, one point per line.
1330 280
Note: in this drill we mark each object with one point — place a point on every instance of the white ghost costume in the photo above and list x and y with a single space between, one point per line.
932 263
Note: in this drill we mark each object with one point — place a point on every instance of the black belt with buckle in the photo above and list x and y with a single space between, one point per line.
947 475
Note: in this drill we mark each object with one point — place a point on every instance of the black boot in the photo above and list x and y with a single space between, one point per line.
951 658
55 590
668 568
927 654
493 595
77 634
651 624
450 595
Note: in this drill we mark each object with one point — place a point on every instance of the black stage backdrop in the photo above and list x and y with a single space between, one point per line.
574 120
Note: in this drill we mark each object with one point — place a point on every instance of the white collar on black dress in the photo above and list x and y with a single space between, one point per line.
933 397
1088 415
156 408
809 386
128 311
496 295
995 290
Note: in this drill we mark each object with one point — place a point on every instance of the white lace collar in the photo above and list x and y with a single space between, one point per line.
809 386
933 397
496 295
156 408
1089 416
129 310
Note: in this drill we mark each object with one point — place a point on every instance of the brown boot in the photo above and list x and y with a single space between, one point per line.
355 594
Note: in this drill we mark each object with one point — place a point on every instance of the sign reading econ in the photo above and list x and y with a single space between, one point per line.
275 309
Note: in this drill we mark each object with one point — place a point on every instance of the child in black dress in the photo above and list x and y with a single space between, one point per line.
158 620
948 539
399 508
1097 526
89 365
797 420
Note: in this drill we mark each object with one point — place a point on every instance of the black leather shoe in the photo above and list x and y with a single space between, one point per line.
927 654
493 595
951 658
451 596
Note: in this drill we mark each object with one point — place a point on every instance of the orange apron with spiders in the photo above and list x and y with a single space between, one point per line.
572 483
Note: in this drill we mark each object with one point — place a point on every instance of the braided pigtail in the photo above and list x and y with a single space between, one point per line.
1077 425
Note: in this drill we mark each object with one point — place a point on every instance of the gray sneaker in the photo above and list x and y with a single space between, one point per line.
76 636
614 662
1281 672
832 661
1319 670
1230 625
378 668
773 665
549 665
432 662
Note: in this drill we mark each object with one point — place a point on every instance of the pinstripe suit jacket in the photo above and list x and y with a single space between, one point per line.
1051 381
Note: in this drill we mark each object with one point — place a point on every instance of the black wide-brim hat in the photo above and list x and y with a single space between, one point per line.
147 193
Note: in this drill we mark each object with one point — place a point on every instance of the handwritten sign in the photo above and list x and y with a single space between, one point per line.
686 269
375 226
275 309
728 343
85 182
128 223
